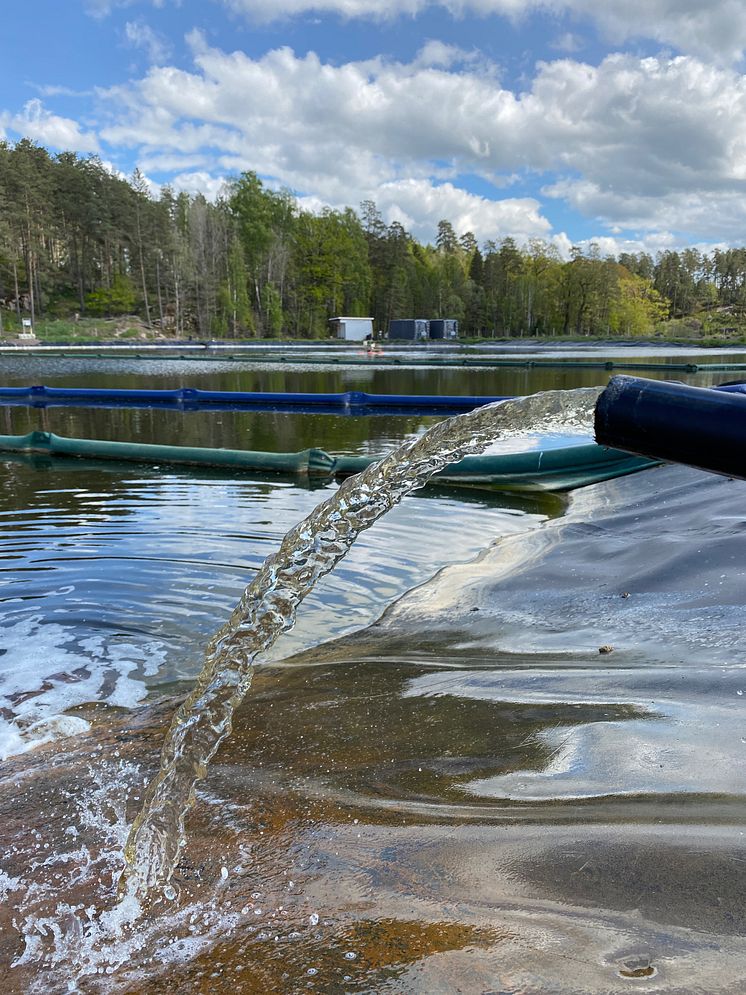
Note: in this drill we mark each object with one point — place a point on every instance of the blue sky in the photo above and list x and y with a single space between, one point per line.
565 120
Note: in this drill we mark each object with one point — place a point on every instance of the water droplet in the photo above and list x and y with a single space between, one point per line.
312 971
350 955
224 873
170 892
314 919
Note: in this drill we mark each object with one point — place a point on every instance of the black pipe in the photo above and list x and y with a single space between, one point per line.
698 426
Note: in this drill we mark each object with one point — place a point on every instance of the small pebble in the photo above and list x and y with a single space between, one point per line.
606 649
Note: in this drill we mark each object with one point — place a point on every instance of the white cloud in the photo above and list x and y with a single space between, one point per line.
171 163
716 28
141 35
198 182
568 43
269 10
654 143
53 90
100 8
438 54
652 243
419 205
337 134
40 125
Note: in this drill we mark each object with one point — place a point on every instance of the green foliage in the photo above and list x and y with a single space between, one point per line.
76 239
119 298
330 269
274 318
638 307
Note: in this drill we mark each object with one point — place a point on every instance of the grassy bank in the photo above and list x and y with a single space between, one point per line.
712 331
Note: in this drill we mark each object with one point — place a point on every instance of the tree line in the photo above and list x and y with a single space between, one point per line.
79 240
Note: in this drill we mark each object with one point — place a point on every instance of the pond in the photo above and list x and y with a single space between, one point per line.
456 793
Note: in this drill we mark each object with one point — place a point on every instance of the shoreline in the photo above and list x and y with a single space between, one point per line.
513 347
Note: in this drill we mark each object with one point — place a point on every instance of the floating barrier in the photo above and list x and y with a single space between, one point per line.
559 469
547 470
697 426
352 402
378 360
372 360
314 462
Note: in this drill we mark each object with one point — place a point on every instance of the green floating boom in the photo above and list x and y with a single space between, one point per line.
314 462
547 469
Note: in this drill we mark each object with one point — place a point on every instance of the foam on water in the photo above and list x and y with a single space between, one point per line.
48 669
72 943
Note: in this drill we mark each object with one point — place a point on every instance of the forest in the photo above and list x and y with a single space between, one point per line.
79 241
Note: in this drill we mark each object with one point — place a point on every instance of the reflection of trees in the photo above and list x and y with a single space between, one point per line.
268 431
26 480
264 431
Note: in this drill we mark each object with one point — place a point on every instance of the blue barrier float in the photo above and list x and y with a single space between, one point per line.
352 402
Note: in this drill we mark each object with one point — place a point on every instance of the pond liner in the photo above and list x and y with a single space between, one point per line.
545 470
189 398
698 426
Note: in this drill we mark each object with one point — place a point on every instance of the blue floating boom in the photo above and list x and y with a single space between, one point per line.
190 398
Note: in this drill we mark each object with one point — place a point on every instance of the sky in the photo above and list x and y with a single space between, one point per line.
619 122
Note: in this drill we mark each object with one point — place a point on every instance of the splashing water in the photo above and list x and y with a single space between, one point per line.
268 607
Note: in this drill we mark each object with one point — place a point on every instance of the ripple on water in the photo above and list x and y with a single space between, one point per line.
110 590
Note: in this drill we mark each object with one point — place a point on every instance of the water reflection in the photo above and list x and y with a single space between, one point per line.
132 373
114 578
258 431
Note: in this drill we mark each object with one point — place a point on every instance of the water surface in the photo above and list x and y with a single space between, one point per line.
467 796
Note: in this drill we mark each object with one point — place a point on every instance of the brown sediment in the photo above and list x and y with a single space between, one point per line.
382 948
305 792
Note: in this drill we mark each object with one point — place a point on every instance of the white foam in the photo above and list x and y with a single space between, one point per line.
103 943
47 669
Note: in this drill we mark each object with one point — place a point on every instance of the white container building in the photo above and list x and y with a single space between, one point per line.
352 329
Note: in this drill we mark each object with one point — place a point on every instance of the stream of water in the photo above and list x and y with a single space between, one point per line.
269 605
